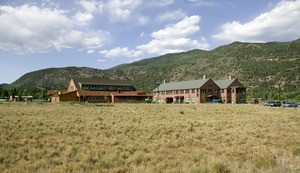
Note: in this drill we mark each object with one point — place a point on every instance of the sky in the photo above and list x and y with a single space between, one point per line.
39 34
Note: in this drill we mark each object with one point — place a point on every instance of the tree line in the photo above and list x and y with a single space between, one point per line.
12 92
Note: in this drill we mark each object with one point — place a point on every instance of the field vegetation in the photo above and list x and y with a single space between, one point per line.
148 138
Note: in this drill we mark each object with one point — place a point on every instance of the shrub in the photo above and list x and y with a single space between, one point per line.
265 162
220 168
296 151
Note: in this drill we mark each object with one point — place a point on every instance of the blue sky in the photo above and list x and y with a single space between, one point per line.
38 34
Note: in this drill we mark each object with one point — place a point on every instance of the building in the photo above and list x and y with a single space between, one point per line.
193 91
99 91
232 91
201 91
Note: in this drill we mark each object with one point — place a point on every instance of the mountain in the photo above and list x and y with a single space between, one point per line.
259 66
54 78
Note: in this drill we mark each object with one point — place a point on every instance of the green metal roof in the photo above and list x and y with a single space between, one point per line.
224 83
192 84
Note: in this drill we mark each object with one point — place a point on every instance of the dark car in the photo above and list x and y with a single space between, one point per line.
287 104
273 103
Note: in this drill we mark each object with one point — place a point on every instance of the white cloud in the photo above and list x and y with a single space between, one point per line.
122 9
172 15
281 23
203 2
101 60
83 17
143 20
91 6
28 29
175 38
95 39
90 51
187 26
119 52
159 3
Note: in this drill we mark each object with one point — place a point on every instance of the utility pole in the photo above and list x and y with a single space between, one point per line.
158 83
278 92
46 77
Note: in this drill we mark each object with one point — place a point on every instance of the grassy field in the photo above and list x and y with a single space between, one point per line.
148 138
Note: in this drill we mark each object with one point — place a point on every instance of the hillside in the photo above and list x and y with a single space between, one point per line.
55 78
260 66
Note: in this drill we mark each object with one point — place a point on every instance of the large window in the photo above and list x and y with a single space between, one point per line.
128 88
85 87
203 90
111 88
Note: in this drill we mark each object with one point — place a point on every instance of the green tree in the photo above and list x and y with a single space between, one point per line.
13 91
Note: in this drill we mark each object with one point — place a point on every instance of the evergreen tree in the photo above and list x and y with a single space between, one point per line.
12 91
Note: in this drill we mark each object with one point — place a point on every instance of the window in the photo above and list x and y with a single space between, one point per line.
181 91
193 90
222 90
128 88
209 90
85 87
186 91
72 88
111 88
203 90
100 87
193 100
228 90
232 90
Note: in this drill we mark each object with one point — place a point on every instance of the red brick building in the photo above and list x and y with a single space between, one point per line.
201 91
100 91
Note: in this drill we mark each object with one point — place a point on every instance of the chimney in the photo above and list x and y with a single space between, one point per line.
164 81
229 77
204 76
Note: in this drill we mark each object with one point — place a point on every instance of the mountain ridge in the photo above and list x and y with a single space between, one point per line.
259 66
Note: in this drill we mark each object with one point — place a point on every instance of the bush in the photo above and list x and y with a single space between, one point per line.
265 162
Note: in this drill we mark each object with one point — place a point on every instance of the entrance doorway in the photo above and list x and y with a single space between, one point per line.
169 100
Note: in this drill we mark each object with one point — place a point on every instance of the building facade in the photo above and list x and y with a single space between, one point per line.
99 91
231 91
201 91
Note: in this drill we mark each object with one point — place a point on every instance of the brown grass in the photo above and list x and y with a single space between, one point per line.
148 138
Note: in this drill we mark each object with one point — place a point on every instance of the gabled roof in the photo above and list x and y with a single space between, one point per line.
224 83
181 85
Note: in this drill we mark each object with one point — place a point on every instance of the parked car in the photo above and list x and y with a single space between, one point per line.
287 104
272 103
216 101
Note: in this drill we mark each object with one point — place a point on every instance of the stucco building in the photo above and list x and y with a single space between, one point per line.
99 91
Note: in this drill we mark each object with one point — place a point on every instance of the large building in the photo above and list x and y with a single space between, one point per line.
99 91
201 91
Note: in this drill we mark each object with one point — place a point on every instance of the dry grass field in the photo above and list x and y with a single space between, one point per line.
148 138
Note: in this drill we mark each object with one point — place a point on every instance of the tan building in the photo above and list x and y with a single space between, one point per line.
99 91
201 91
